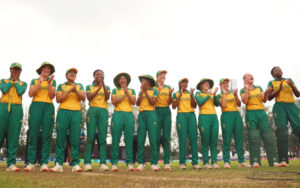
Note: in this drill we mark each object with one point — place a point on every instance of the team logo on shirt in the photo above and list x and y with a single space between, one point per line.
178 125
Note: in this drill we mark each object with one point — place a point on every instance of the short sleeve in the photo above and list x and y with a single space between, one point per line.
81 87
107 88
59 88
242 92
114 92
155 93
32 82
174 96
270 84
132 92
88 88
53 83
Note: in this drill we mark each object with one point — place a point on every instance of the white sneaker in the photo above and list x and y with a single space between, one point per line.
182 166
44 168
130 167
283 164
140 167
207 166
196 167
167 167
87 167
276 164
226 165
29 167
255 165
76 168
103 167
244 165
215 165
57 168
155 168
114 168
12 168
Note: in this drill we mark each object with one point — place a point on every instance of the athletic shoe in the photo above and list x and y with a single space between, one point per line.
244 164
114 168
155 167
255 165
140 167
182 166
44 168
29 167
167 167
12 168
207 166
276 164
103 167
226 165
130 167
57 168
215 165
76 168
196 167
283 164
87 167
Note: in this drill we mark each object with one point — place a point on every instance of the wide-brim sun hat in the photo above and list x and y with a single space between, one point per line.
149 77
117 77
39 70
210 81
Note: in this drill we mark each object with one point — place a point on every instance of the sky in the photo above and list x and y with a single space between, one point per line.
189 38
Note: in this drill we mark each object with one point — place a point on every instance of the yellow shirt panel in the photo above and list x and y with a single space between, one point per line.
99 100
230 103
286 93
145 104
254 99
163 96
11 96
209 106
42 94
185 102
124 105
72 101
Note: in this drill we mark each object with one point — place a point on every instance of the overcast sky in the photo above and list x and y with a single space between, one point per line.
189 38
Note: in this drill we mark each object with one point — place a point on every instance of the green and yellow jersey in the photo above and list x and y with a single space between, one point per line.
145 104
42 94
72 101
254 98
99 99
206 102
230 102
184 103
12 91
286 93
124 105
163 96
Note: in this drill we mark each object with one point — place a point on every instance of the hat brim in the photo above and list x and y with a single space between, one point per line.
117 77
184 80
52 69
211 83
152 81
16 67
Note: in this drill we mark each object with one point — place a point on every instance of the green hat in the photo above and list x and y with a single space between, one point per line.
149 77
210 81
223 80
161 71
71 69
15 64
39 70
183 79
117 77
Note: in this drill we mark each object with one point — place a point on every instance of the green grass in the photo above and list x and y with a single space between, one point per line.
234 177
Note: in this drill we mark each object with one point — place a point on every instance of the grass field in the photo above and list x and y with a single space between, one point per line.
234 177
